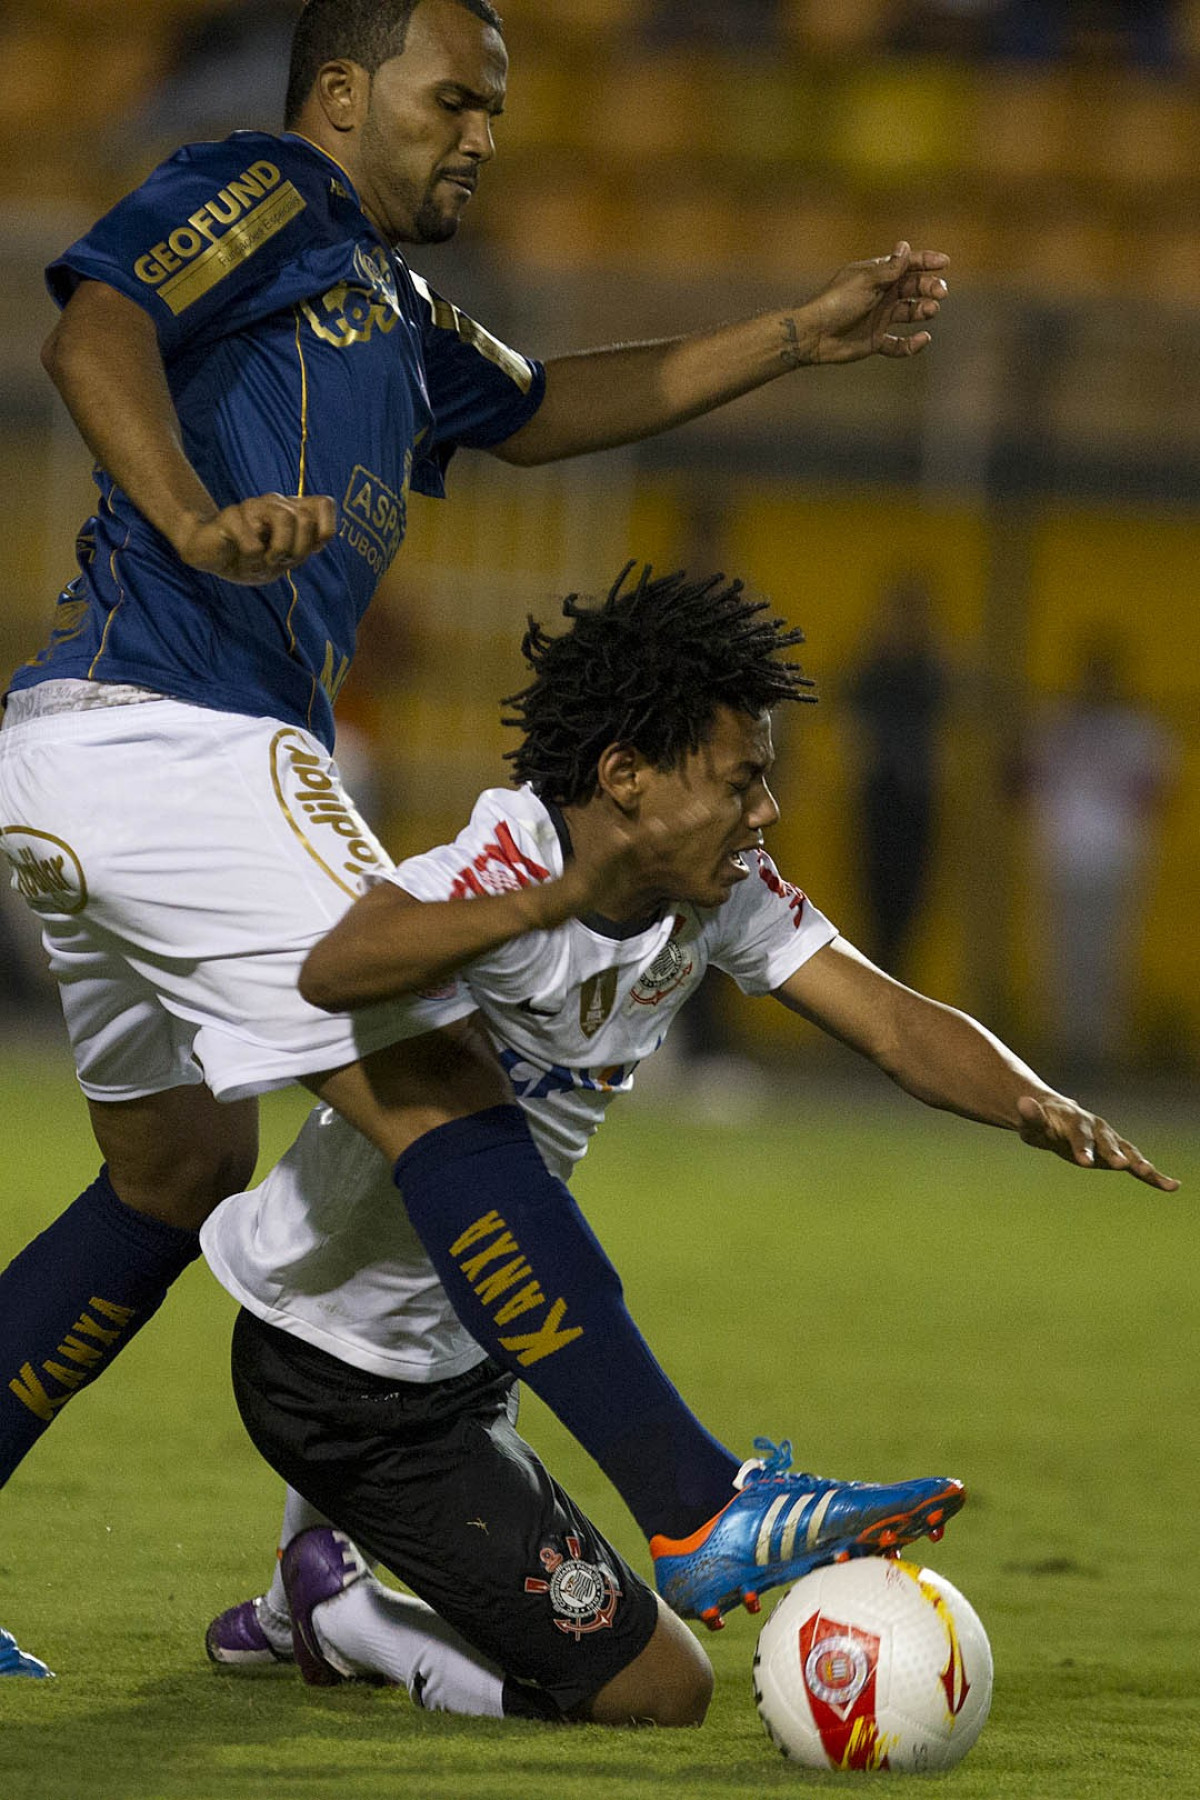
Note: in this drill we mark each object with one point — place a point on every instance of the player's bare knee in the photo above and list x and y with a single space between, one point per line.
669 1684
183 1192
177 1155
686 1697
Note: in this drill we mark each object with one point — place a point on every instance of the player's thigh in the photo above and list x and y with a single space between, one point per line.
210 851
435 1483
396 1094
176 1154
172 1151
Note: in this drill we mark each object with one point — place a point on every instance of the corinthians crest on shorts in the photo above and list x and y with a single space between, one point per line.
584 1595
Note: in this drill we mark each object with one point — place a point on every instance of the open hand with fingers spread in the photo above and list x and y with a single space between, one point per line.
858 313
1080 1137
259 539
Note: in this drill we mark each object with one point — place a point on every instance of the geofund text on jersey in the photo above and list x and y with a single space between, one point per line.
219 235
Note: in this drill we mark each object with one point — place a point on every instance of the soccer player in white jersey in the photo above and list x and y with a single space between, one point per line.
582 909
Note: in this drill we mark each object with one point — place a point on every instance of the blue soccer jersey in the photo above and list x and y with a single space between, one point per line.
303 357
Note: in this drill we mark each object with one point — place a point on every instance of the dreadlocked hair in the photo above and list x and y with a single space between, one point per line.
646 667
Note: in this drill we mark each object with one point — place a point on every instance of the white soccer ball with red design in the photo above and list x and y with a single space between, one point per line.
874 1664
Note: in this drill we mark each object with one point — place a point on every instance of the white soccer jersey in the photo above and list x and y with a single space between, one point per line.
573 1011
323 1247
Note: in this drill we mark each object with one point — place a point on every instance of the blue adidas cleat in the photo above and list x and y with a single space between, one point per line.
779 1526
15 1661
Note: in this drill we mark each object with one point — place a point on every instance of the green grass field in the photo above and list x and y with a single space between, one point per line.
898 1292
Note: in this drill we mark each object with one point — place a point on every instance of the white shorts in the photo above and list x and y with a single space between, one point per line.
182 863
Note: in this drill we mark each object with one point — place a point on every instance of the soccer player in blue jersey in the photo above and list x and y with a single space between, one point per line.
262 379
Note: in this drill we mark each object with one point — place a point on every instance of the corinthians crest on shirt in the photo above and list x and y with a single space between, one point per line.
669 970
584 1595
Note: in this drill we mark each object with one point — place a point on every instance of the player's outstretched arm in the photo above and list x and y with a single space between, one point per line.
947 1059
103 357
600 398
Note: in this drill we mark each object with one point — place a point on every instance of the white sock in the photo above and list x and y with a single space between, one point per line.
273 1613
369 1630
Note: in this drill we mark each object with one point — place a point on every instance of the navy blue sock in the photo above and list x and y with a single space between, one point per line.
72 1300
530 1281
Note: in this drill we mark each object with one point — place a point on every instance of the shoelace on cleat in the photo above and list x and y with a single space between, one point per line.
777 1458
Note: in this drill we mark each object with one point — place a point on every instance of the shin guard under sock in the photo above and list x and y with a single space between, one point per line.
531 1283
72 1300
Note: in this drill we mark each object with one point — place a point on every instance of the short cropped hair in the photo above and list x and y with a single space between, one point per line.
647 667
367 32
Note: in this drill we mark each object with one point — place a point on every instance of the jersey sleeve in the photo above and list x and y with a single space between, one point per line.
207 239
481 392
767 929
505 846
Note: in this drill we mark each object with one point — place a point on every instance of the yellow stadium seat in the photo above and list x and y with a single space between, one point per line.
541 104
1188 30
898 118
689 234
1169 263
1069 256
1023 123
37 72
933 217
761 112
836 26
647 107
590 19
692 102
555 220
1148 134
804 236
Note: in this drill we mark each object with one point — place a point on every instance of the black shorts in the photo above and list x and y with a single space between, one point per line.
433 1481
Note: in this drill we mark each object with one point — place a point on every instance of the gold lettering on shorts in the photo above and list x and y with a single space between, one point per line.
335 836
45 871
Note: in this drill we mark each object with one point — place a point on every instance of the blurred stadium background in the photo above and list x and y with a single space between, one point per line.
664 166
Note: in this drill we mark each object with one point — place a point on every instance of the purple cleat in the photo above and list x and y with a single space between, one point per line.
239 1638
15 1661
317 1565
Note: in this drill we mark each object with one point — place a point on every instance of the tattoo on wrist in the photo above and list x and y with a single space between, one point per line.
791 354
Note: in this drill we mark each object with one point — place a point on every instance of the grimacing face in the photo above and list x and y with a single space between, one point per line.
428 127
721 789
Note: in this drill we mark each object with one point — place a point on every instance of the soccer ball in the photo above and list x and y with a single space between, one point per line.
873 1664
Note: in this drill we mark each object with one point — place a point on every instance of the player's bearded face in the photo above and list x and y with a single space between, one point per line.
718 804
427 131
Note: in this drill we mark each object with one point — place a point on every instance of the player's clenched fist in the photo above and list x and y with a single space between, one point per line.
259 539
